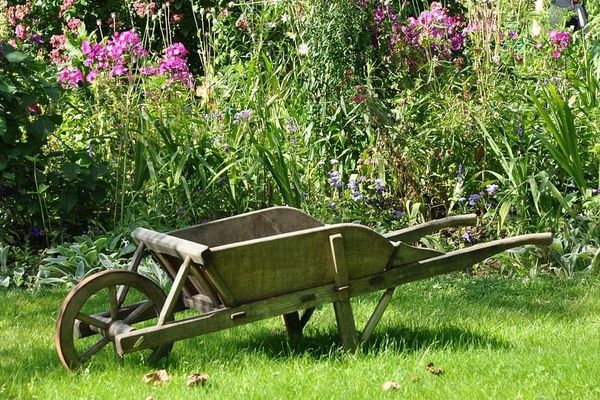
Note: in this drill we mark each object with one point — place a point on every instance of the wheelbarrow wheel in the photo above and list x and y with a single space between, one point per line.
102 306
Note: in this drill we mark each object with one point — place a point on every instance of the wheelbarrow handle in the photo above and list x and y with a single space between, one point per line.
414 233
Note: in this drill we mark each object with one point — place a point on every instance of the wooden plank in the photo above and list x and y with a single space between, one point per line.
377 314
266 267
175 292
248 226
174 246
414 233
406 254
220 319
343 308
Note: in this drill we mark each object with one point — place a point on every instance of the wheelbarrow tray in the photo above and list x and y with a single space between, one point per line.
280 260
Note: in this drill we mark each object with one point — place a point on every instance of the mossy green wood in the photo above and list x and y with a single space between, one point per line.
266 267
280 260
327 293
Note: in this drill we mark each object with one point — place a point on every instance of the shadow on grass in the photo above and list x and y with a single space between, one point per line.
398 340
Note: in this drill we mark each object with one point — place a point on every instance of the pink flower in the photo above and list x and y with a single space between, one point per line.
538 46
241 23
17 13
66 4
556 54
176 50
74 24
176 18
70 77
58 41
21 31
92 75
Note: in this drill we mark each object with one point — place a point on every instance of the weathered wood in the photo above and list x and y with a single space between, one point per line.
67 346
248 226
175 292
377 314
343 308
171 245
289 302
406 254
266 267
414 233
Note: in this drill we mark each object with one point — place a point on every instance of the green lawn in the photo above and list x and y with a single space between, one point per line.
493 337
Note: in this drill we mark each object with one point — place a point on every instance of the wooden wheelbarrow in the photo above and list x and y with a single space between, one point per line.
249 267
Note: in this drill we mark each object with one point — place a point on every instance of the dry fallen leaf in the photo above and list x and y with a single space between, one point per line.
196 379
434 370
391 385
157 377
149 397
414 378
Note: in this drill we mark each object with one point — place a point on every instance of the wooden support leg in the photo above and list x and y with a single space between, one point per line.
342 307
293 326
306 316
374 320
345 323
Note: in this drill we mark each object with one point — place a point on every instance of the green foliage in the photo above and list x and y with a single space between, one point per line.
27 118
560 122
70 263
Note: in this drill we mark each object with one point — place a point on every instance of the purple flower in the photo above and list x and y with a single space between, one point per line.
513 35
242 116
70 77
398 214
353 186
37 38
460 171
334 179
379 185
36 232
177 50
90 150
491 189
473 199
468 237
595 192
92 75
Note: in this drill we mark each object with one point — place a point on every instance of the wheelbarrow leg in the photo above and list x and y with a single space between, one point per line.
377 314
293 325
342 307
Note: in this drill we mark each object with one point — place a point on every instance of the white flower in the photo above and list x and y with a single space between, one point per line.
303 49
285 18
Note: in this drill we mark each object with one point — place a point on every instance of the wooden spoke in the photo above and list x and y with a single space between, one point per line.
121 295
114 304
92 321
131 318
96 347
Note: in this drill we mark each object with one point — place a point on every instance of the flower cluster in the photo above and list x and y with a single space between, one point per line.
560 41
70 76
64 7
143 8
335 179
434 32
120 55
174 64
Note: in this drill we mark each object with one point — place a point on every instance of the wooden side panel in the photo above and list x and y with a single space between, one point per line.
279 264
252 225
